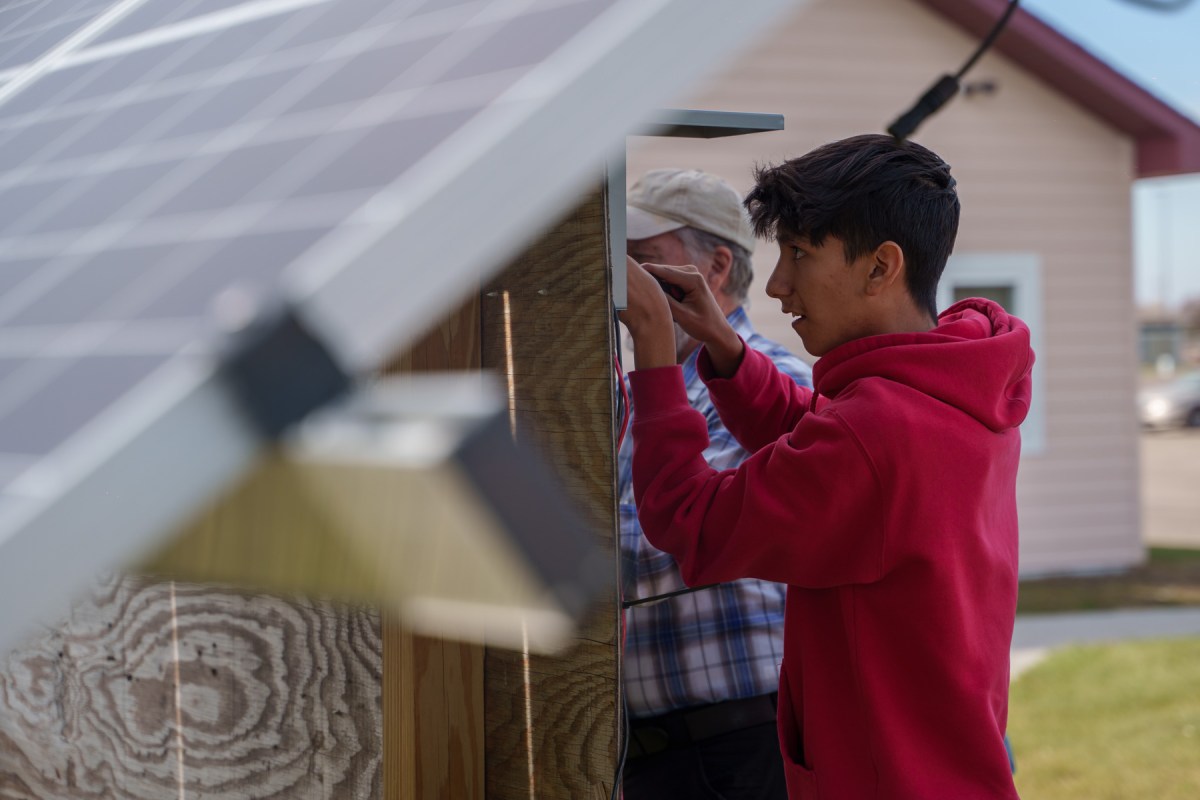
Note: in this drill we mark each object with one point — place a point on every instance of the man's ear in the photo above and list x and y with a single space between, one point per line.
887 268
718 274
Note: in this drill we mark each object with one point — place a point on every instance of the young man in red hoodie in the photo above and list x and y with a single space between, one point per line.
884 497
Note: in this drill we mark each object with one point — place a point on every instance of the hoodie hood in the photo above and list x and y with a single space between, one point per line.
977 359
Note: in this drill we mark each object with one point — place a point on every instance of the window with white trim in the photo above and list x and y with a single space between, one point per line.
1013 280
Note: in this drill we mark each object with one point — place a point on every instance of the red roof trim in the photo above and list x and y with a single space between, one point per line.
1168 143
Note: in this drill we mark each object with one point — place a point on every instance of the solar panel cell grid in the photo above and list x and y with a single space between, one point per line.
390 148
17 17
261 257
220 107
30 30
18 49
157 13
13 273
71 398
366 75
539 32
108 286
159 170
100 289
223 180
19 201
86 201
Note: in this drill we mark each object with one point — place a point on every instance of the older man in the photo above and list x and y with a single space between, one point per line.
701 668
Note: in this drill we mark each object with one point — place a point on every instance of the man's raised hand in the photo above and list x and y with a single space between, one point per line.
695 310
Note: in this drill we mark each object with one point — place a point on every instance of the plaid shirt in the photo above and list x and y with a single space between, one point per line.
715 644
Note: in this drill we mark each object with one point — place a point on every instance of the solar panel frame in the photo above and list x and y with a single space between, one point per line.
351 270
120 482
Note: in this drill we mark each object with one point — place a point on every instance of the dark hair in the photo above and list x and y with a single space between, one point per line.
865 190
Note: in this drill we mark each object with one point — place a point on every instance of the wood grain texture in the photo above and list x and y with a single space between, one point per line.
452 344
549 316
157 690
433 688
433 717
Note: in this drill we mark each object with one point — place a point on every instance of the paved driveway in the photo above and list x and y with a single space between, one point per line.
1171 487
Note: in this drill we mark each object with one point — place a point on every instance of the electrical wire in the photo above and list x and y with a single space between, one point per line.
622 403
989 39
623 412
623 415
946 86
621 408
655 598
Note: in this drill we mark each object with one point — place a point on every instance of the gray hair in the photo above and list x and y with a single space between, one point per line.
702 244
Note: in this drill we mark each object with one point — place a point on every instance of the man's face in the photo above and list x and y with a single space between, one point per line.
824 292
667 248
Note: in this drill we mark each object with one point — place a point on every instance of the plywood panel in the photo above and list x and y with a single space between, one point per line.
162 690
551 722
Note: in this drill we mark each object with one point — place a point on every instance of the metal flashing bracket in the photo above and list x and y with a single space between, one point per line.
703 124
680 123
281 371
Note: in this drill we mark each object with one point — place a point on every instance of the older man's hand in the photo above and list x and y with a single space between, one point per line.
697 312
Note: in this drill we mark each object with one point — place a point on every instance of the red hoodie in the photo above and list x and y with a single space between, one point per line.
885 499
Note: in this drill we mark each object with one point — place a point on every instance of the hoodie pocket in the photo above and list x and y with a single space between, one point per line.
801 781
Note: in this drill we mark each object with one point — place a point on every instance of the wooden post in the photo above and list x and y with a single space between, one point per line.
433 688
548 330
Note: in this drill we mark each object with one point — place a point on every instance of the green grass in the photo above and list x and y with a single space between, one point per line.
1170 577
1174 555
1112 722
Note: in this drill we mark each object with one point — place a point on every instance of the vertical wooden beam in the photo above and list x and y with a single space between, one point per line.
433 689
551 722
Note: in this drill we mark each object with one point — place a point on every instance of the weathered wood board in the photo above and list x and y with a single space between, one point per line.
551 722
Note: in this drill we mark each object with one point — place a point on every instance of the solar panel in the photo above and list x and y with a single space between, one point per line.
143 183
30 28
366 160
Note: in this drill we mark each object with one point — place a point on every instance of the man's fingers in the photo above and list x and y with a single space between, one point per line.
680 275
676 282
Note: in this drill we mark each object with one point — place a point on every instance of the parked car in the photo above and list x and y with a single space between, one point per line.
1171 405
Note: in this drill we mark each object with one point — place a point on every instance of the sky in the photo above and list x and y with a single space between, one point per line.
1161 52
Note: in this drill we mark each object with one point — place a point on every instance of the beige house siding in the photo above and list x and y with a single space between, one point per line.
1037 175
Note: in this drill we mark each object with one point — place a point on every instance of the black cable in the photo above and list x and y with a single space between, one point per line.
946 86
641 601
989 39
626 726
